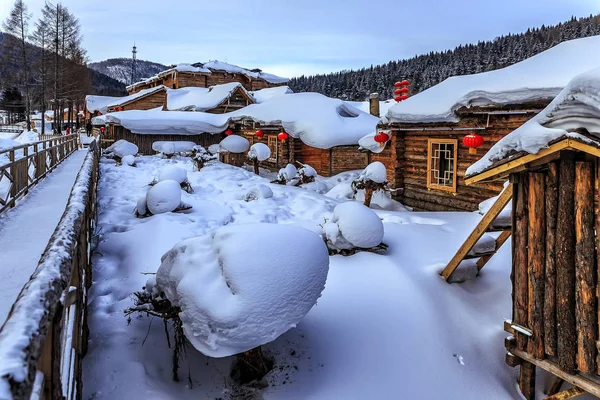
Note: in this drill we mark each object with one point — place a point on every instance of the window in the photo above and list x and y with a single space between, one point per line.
272 143
441 164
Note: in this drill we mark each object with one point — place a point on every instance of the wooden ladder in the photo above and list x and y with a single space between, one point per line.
485 225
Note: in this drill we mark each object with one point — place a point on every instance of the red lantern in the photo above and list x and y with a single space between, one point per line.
101 129
403 90
228 132
259 134
381 138
404 83
398 99
283 136
398 84
473 141
403 97
398 91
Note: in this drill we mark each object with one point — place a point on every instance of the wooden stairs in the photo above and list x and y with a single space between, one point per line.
485 225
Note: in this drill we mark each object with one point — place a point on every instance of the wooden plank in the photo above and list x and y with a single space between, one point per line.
567 394
527 380
587 324
536 255
555 387
479 230
550 281
503 237
597 222
520 259
565 265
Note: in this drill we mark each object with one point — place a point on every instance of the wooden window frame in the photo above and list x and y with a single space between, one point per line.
430 185
273 157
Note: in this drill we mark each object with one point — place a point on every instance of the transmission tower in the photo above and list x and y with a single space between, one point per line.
133 63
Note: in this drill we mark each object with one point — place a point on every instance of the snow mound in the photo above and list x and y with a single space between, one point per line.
317 187
168 148
128 160
171 172
234 144
259 192
288 173
341 191
236 294
374 172
141 206
179 146
307 171
122 148
263 95
164 197
259 151
353 225
213 149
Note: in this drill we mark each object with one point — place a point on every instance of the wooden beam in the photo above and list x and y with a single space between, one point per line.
499 242
527 380
556 385
567 394
479 230
520 258
550 280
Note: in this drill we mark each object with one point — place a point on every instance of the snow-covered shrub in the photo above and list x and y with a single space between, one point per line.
260 191
174 173
306 173
141 209
353 226
201 157
173 147
128 160
168 149
214 149
371 179
236 294
234 144
258 152
287 176
163 197
120 149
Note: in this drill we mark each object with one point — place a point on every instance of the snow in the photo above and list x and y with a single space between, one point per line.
287 173
168 148
368 142
384 106
392 312
576 107
373 172
504 218
259 151
120 101
122 148
540 77
201 99
353 225
256 74
95 103
128 160
178 146
237 294
173 173
262 95
25 233
260 191
163 197
307 170
234 144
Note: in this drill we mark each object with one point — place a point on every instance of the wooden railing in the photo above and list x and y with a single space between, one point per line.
45 335
11 128
25 165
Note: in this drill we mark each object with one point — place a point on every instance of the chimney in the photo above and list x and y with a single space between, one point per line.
374 104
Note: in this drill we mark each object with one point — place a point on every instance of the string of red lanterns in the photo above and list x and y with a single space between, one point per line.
381 138
401 91
473 141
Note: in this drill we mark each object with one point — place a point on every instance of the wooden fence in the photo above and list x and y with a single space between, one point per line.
28 164
45 335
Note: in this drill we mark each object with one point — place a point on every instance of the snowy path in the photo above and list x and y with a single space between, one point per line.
26 229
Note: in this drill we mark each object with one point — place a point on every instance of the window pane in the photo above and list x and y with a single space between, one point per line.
442 164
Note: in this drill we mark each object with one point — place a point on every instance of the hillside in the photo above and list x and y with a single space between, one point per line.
120 69
430 69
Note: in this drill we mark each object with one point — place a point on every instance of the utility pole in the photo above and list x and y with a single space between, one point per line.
133 63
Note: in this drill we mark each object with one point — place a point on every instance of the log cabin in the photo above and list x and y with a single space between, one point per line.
216 99
425 157
147 99
553 165
209 74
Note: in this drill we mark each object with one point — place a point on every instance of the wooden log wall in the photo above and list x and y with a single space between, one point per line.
192 80
555 265
154 100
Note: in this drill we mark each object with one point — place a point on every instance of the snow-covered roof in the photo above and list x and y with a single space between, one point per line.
202 99
577 107
95 103
317 120
540 77
120 101
263 95
384 105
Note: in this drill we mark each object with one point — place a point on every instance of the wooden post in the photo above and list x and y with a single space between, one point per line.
527 380
550 284
587 324
536 256
565 265
597 222
520 258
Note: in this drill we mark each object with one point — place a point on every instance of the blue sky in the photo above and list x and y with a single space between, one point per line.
291 38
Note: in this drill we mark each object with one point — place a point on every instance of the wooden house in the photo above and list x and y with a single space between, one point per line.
425 156
553 164
208 74
147 99
218 99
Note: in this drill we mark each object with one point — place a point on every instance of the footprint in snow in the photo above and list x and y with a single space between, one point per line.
459 359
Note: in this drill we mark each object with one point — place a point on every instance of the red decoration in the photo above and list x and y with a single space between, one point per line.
381 138
403 90
259 134
228 132
473 141
398 91
404 83
398 84
283 136
403 97
398 98
101 129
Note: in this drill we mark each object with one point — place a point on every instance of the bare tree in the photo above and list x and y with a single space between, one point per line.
17 25
40 39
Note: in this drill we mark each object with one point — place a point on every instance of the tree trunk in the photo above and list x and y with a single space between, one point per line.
520 279
255 163
251 366
368 196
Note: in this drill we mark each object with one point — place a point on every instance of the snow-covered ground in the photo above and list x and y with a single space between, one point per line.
387 326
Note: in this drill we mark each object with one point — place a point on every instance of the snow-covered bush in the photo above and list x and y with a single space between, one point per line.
236 294
163 197
168 149
174 173
214 149
234 144
260 191
201 157
128 160
141 209
258 153
353 226
287 176
120 149
371 179
306 173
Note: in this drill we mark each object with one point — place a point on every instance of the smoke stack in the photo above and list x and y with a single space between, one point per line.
374 104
